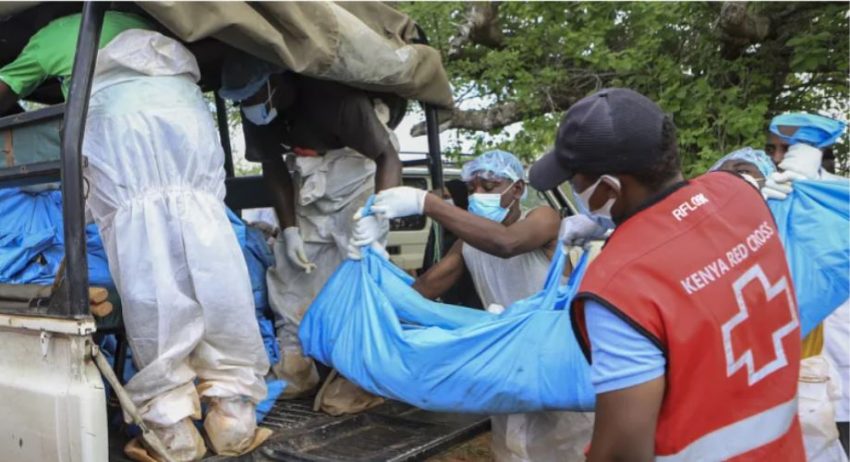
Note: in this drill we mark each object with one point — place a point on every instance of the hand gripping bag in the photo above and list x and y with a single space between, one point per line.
814 225
369 324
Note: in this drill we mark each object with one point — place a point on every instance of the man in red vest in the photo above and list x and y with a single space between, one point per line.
688 315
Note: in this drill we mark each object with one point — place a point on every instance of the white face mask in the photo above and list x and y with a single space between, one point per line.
261 113
602 215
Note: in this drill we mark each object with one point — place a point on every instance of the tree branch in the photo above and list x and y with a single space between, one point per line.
481 27
554 99
739 24
740 28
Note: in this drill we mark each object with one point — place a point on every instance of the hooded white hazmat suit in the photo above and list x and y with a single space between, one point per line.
332 188
155 168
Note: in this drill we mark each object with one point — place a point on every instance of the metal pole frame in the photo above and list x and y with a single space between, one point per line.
75 288
224 134
435 156
435 166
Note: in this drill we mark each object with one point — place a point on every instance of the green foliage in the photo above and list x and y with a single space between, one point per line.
672 52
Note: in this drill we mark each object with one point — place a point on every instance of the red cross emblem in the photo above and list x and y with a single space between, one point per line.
778 308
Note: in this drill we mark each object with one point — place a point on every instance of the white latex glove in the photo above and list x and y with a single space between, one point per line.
369 229
578 229
495 308
802 159
778 185
401 201
295 249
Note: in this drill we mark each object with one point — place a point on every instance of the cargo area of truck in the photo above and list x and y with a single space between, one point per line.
391 432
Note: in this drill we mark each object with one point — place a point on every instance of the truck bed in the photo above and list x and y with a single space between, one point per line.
391 432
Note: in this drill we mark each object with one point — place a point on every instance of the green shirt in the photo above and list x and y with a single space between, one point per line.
50 52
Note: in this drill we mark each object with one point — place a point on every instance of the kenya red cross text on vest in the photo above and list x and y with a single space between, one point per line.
702 273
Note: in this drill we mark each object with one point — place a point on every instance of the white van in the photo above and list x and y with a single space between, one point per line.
409 235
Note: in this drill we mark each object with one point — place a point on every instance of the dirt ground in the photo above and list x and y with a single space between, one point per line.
474 450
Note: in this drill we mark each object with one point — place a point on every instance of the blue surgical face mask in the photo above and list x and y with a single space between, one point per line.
261 113
489 205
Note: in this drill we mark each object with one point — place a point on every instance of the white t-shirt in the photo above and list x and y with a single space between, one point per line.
503 281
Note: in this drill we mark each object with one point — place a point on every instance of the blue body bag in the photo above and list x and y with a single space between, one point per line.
259 258
376 330
814 226
32 241
32 246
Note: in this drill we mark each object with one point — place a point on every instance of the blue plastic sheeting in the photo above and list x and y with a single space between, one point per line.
32 243
814 225
259 258
32 246
369 324
275 388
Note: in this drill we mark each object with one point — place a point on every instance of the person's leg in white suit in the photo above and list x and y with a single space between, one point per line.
156 195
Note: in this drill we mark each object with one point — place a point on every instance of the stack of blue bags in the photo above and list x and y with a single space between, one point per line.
32 247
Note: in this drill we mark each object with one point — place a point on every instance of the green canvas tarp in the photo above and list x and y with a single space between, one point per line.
367 45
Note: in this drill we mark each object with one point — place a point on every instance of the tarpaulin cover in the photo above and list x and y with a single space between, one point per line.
814 225
376 330
369 45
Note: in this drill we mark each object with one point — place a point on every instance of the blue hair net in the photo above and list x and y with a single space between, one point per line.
754 156
814 130
493 165
242 75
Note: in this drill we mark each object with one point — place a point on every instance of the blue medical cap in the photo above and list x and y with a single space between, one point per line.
814 130
242 75
494 164
754 156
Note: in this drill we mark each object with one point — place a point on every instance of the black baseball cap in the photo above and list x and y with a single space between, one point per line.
615 130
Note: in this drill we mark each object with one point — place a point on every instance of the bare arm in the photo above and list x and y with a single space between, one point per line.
626 419
279 183
387 170
7 98
538 230
442 276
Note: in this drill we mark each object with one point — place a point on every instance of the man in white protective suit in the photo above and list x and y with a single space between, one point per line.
332 187
343 149
155 168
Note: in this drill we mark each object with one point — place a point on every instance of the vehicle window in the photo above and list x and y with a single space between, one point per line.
534 199
413 223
